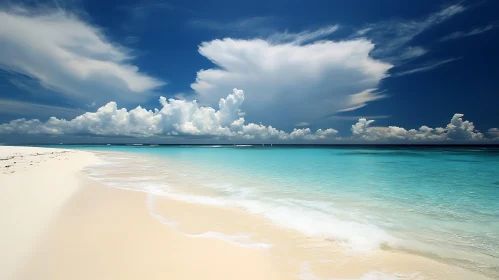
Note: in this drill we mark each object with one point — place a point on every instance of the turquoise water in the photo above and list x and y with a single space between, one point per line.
442 203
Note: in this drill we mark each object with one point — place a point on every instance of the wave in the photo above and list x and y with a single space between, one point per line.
212 146
311 218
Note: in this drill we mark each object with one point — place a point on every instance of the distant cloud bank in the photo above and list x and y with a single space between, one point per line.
180 118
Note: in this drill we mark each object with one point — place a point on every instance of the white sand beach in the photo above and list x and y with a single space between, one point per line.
56 223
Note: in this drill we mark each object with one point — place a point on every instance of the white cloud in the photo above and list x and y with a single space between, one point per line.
359 100
494 132
457 129
302 124
69 56
392 37
288 82
175 118
426 67
475 31
412 52
181 118
91 105
374 117
304 36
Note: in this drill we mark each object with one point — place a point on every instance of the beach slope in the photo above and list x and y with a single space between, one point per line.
58 224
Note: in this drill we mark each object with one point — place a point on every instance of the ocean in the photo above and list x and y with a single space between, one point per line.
438 202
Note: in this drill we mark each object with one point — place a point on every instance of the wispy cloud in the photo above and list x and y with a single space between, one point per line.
131 40
35 110
69 56
304 36
138 14
265 27
253 25
412 52
143 9
20 84
426 67
392 37
475 31
359 100
373 117
300 124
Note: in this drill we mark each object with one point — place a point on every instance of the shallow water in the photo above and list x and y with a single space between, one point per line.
441 203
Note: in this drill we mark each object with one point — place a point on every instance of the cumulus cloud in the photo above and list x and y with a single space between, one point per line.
182 118
291 82
457 129
69 56
494 132
175 118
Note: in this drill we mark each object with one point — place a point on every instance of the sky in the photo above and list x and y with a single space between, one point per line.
332 71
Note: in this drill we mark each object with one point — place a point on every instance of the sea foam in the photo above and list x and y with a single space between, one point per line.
311 218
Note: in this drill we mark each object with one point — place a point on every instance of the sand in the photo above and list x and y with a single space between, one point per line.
35 184
56 223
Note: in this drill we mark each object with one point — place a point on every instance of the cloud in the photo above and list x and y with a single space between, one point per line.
494 132
412 52
69 56
132 39
175 118
426 67
304 36
20 108
250 24
302 124
475 31
143 9
457 129
290 82
264 27
340 117
359 100
181 118
392 37
303 77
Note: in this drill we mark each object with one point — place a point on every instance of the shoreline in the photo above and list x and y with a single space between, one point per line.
112 233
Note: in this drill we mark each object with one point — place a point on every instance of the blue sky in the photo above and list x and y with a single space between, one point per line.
305 71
